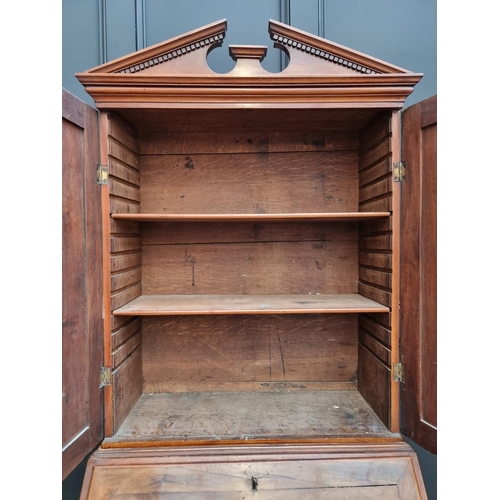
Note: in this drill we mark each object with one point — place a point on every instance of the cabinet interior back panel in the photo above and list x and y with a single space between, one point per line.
249 258
250 183
244 171
254 352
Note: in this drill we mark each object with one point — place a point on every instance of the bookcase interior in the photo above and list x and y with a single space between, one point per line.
251 274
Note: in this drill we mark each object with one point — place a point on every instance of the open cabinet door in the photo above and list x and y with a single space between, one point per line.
82 324
418 274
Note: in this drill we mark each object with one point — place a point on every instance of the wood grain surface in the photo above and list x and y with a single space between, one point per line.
163 305
419 275
294 217
82 325
125 273
281 267
249 352
250 183
377 266
248 415
235 123
380 471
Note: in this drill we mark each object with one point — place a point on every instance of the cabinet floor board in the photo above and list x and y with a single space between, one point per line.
248 416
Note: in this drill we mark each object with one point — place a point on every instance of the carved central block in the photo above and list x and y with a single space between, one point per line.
248 52
248 58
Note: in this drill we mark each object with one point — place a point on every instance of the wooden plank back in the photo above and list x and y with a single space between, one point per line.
250 183
248 352
254 259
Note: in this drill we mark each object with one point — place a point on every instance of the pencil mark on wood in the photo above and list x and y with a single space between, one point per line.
319 143
210 346
259 209
255 484
189 163
270 359
165 424
256 230
318 245
282 358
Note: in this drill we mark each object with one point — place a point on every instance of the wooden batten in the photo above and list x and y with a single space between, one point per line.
120 149
377 267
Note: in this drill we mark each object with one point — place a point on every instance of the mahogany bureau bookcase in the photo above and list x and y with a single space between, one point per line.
253 273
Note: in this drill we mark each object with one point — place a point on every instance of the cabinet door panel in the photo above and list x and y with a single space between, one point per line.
418 274
81 284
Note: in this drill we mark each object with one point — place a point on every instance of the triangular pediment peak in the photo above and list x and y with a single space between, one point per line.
198 43
307 50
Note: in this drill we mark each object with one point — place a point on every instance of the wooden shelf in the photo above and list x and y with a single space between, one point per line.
292 217
164 305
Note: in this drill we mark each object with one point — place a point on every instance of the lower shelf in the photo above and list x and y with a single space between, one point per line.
292 415
159 305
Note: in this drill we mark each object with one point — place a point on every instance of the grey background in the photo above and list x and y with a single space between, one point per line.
401 32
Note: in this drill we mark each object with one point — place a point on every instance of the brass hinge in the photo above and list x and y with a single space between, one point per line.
104 377
399 172
102 174
398 373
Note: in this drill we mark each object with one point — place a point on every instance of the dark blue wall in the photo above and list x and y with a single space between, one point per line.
401 32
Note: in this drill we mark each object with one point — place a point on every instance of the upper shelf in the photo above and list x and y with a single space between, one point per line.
162 305
291 217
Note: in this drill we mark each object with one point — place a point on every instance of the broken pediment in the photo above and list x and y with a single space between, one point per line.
164 72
